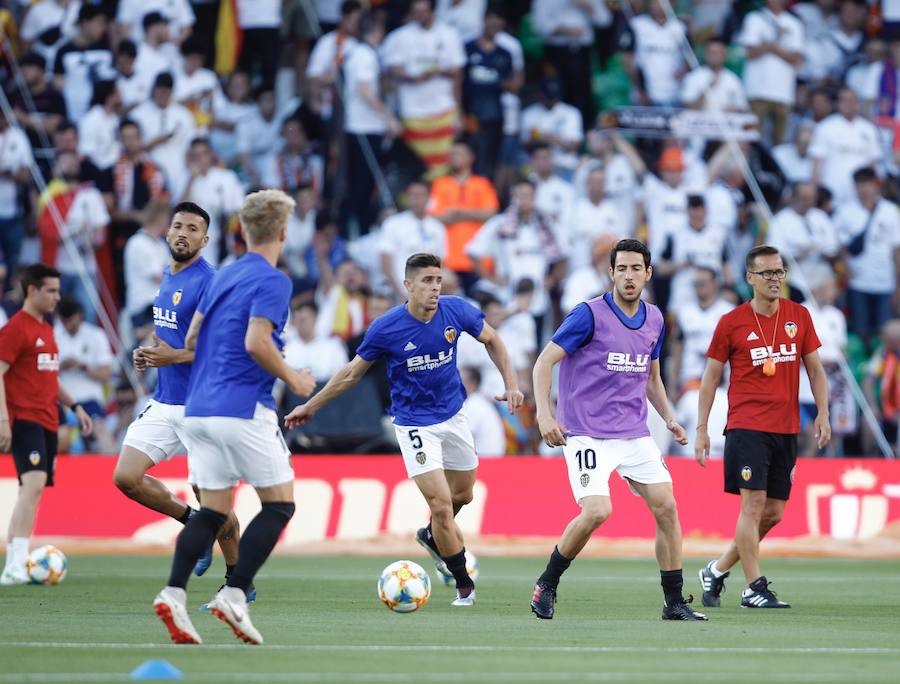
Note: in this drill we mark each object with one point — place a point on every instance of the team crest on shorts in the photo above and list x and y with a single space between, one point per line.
791 329
34 457
746 473
450 334
176 298
584 479
420 458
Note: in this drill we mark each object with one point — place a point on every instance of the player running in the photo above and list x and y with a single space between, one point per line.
419 341
763 341
230 421
609 349
30 392
158 432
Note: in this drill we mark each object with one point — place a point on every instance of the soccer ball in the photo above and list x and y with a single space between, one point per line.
471 568
404 586
47 565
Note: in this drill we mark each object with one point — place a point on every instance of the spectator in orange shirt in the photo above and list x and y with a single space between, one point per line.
462 201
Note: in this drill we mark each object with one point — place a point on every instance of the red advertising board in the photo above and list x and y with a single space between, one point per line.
363 497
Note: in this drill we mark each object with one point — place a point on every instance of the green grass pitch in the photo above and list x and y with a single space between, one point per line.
322 623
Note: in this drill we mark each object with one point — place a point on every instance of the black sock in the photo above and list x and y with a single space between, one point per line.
759 584
195 538
456 564
557 565
228 570
429 538
672 583
258 541
184 517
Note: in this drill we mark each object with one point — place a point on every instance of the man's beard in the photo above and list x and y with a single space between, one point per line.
181 257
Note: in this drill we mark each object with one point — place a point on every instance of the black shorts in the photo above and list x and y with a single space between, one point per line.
760 460
33 448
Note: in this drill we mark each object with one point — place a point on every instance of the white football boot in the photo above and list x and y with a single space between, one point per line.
230 606
170 606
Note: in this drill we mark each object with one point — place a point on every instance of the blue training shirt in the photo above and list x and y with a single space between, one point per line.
226 381
577 328
425 385
173 308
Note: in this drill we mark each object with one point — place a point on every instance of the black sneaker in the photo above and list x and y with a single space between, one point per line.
543 601
760 596
426 541
712 586
682 611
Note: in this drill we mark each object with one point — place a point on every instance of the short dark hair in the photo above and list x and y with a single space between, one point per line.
475 372
152 18
89 12
34 275
199 140
349 7
102 91
66 125
308 304
694 201
865 175
419 261
761 250
191 208
164 80
127 48
630 245
419 181
538 146
128 122
68 307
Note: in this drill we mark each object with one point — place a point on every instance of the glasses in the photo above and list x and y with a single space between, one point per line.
771 275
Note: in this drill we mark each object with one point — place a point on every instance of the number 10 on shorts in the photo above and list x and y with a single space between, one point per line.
587 459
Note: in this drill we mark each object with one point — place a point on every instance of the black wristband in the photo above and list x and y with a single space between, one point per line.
75 407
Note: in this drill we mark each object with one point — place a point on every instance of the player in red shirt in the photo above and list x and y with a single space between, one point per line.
763 341
29 417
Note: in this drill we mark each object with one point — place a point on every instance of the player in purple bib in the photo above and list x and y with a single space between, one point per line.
608 350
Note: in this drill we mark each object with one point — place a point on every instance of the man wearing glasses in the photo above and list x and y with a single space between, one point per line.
764 341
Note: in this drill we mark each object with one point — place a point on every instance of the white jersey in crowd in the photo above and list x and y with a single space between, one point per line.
809 238
466 16
89 346
85 223
873 270
522 256
15 155
519 335
510 102
259 14
721 90
324 356
202 83
722 208
795 168
831 329
844 146
665 207
405 234
144 259
419 50
658 53
154 122
152 61
98 137
585 223
132 13
621 185
548 16
704 248
697 326
361 67
221 193
584 284
769 77
562 120
486 425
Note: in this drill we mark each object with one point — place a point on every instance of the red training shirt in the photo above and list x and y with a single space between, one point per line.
756 401
32 380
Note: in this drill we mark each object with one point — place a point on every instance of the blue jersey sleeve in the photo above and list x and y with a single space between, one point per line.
373 346
576 330
659 343
203 304
471 319
272 299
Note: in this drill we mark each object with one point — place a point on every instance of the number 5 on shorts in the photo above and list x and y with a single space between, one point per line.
415 439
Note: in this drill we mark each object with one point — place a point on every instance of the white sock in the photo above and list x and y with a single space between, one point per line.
234 595
19 550
177 593
715 570
9 557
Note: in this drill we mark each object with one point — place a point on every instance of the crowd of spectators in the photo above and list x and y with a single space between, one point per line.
486 132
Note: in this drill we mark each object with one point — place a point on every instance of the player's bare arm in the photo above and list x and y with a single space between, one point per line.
818 381
497 351
712 376
656 394
552 433
163 354
5 427
342 381
84 420
190 340
258 343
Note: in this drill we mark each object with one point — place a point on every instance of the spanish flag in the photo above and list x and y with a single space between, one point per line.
228 38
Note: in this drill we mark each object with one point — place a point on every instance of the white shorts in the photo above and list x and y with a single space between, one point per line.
443 446
158 431
591 461
225 450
